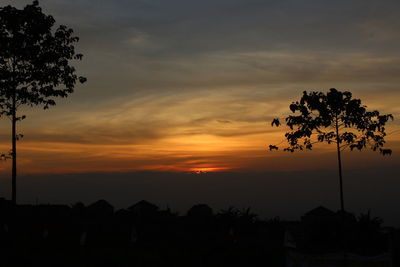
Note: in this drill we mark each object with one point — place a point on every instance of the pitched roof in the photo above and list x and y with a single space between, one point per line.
320 211
100 205
143 205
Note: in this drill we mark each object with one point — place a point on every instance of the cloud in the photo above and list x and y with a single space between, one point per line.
142 46
178 77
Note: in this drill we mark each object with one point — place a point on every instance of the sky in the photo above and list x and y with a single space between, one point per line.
183 85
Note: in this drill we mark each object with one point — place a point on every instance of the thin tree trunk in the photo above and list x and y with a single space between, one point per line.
340 165
14 149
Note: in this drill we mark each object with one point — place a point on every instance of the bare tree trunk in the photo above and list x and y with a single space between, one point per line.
340 179
340 165
14 149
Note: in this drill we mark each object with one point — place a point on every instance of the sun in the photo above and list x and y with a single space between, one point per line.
203 170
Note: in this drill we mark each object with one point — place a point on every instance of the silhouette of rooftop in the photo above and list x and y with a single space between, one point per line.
320 211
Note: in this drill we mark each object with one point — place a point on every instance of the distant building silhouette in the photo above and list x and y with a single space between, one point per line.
144 208
100 208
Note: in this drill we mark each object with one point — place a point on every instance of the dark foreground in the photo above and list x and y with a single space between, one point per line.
144 235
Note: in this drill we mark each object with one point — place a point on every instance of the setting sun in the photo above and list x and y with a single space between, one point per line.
207 170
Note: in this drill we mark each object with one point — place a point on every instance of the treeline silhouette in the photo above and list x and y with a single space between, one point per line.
145 235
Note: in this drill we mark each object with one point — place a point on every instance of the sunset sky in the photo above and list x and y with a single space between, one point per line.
185 85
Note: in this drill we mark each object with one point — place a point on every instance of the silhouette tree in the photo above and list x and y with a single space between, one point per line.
334 117
34 65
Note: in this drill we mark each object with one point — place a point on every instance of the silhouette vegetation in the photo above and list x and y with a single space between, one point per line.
334 117
145 235
35 66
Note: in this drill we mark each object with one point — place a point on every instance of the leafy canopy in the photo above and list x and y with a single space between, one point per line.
334 117
34 59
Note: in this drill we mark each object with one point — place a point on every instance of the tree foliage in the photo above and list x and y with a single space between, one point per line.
35 65
34 58
334 117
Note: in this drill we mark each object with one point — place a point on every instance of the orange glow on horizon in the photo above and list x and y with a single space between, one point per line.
195 139
215 154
